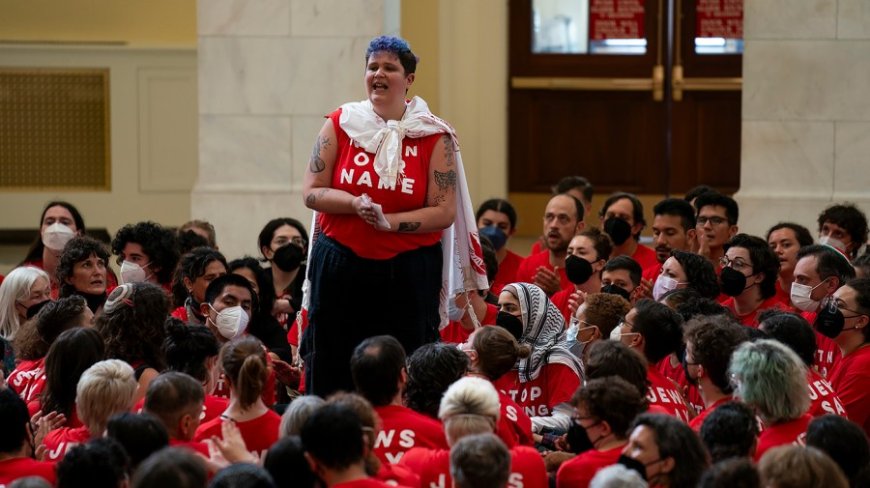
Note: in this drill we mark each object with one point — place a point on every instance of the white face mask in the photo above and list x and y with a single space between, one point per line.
616 333
663 285
56 236
801 297
132 273
231 322
835 243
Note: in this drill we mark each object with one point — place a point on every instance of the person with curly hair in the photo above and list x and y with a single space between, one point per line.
730 431
710 341
132 328
844 227
597 317
82 270
431 369
34 342
686 270
196 270
146 252
60 221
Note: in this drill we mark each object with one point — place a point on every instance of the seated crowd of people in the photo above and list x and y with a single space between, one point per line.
713 358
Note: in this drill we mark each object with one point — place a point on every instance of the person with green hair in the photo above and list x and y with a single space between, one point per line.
771 378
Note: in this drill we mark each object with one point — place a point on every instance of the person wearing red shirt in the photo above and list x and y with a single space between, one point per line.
846 319
543 382
74 351
605 409
772 379
622 219
244 361
673 228
671 453
593 247
795 332
16 450
497 220
106 388
334 443
563 219
60 222
686 270
492 352
844 227
176 399
622 276
480 460
710 341
654 331
749 273
378 370
470 406
786 239
819 272
715 223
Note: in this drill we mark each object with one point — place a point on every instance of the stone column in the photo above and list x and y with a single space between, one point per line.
269 70
806 110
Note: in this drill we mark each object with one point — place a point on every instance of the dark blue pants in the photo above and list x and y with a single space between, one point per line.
353 298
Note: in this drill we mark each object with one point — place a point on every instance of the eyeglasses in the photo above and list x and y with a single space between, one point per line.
736 263
702 221
831 303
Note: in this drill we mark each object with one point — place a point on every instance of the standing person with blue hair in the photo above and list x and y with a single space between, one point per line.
394 223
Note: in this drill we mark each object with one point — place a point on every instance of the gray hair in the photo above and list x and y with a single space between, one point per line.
617 476
297 413
480 461
772 378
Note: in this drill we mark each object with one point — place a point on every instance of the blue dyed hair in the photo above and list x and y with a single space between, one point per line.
397 46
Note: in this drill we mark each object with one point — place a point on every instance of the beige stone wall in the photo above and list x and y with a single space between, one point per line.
806 110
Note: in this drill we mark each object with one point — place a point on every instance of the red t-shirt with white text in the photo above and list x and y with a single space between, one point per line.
555 384
28 379
851 380
433 465
514 426
823 397
59 441
354 173
403 429
698 421
666 394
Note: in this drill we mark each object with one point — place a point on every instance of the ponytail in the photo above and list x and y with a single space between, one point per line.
497 351
244 363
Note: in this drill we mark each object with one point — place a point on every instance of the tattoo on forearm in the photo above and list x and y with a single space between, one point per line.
316 164
445 181
408 226
449 151
437 201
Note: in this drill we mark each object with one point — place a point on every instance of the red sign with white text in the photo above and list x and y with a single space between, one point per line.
719 18
616 19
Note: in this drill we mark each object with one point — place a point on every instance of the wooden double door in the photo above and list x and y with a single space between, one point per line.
636 95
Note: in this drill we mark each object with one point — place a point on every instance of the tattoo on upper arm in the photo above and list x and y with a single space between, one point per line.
408 226
445 181
449 151
316 164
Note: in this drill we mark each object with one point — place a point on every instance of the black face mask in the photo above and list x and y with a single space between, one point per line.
616 290
578 439
512 323
830 321
288 257
35 308
619 230
94 301
691 379
633 464
578 269
733 282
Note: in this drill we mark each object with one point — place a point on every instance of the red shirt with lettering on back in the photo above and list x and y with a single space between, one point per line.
354 173
514 426
404 429
28 379
555 384
698 421
823 397
259 434
677 374
433 465
22 467
59 441
577 472
665 393
790 432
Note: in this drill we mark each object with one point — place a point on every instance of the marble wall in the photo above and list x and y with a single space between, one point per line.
269 70
806 110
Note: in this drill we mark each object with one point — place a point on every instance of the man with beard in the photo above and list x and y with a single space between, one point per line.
563 219
673 228
622 219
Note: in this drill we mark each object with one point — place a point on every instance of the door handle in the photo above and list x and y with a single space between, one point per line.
681 84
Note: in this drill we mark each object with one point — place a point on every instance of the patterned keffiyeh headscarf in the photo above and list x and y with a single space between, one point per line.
543 325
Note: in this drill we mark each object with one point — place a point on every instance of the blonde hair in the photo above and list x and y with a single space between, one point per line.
469 406
16 286
104 389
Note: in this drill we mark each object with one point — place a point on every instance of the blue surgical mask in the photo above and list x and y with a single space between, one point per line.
495 235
